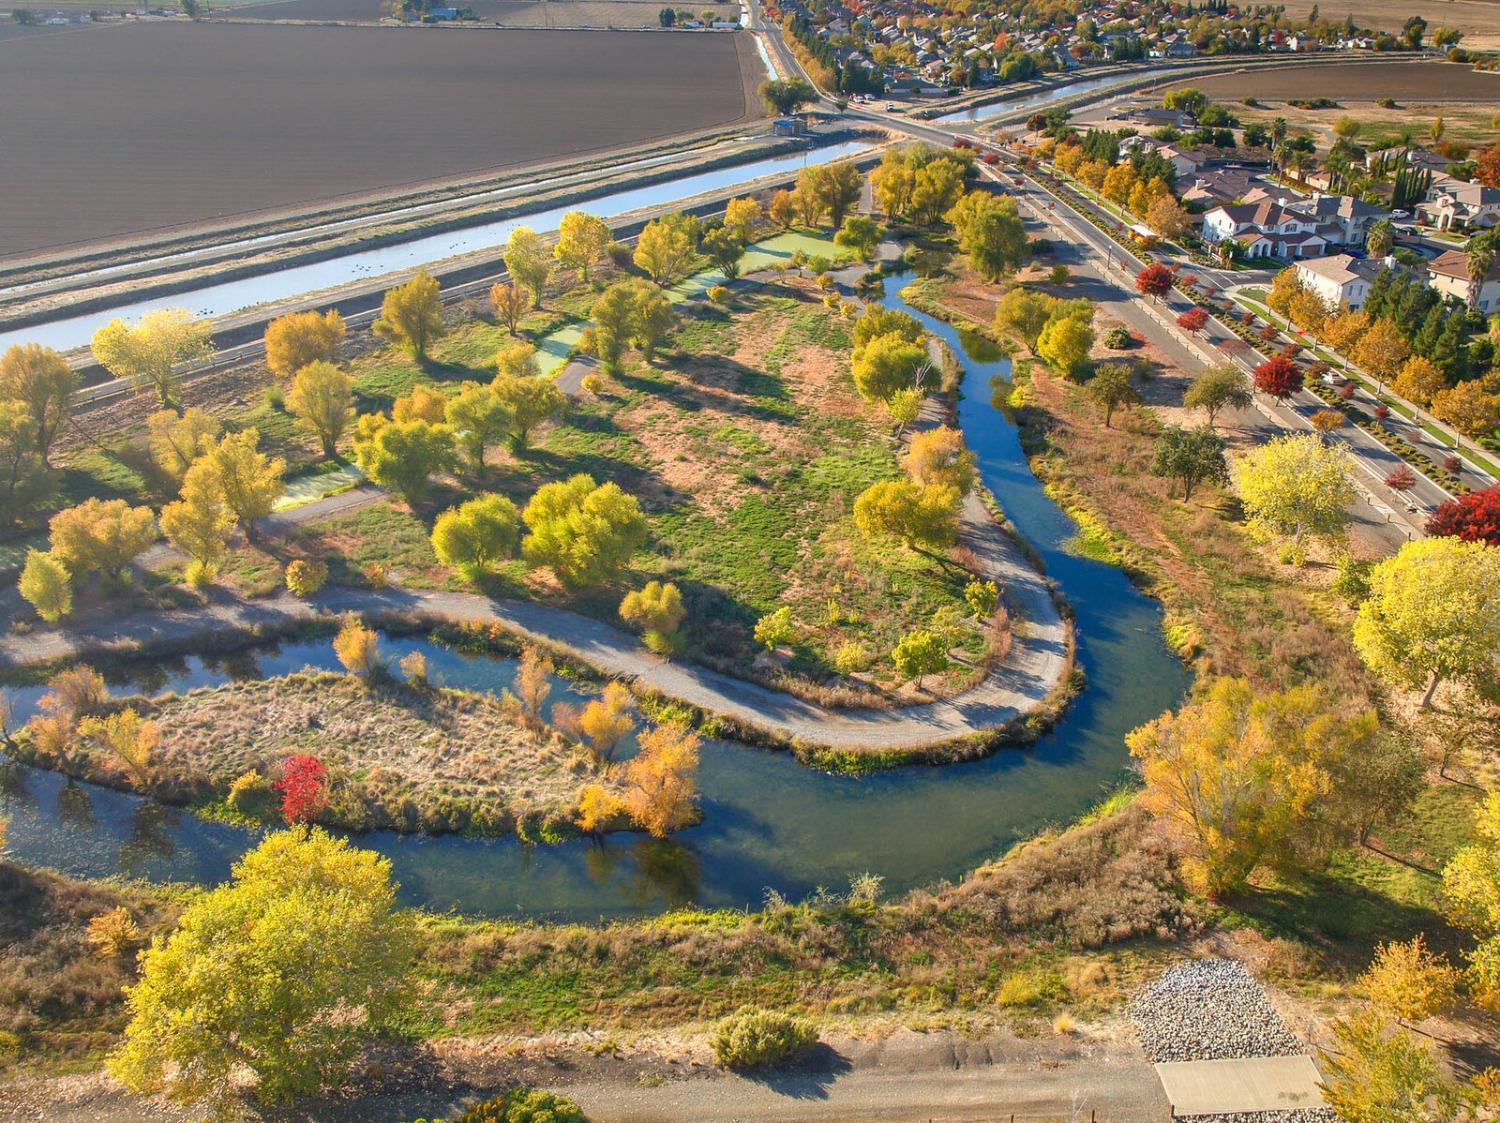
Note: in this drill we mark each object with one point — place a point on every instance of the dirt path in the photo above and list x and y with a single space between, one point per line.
908 1076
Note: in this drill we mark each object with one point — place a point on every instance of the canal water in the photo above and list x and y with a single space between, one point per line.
769 822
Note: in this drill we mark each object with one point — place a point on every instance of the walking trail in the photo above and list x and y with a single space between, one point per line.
1035 663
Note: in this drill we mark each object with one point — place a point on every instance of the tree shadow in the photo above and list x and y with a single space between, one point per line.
806 1075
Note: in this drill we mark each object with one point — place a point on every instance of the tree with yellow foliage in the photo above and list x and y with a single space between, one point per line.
666 246
1294 487
528 262
46 585
939 456
606 720
176 440
1381 350
1471 407
1433 613
125 737
1236 774
740 217
1119 181
657 609
198 525
423 403
1419 380
249 481
581 241
411 315
1471 883
661 786
299 338
41 380
511 303
101 534
322 400
149 352
1409 982
782 209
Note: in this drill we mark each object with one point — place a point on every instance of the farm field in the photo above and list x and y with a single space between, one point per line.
135 129
510 13
1433 81
1478 19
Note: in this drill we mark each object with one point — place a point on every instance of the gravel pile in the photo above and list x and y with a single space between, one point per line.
1209 1010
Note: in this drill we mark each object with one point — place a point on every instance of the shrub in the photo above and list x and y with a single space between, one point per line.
414 668
275 399
524 1105
775 628
304 578
619 253
46 585
355 646
851 658
1352 581
752 1037
982 597
593 384
113 933
377 575
1117 339
719 294
252 795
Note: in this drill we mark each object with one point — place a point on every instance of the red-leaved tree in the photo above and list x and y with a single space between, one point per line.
1474 517
1279 377
303 787
1154 280
1194 319
1401 478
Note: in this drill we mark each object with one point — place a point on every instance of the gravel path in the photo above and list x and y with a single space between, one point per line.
1209 1010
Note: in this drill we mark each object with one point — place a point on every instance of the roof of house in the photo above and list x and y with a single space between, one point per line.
1341 268
1455 263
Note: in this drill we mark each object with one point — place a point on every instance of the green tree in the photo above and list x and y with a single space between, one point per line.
1024 313
528 262
1217 387
725 249
41 380
990 232
860 233
627 312
1381 238
46 586
920 653
403 455
101 534
786 95
876 321
249 480
1373 1075
322 399
297 339
584 532
1110 388
936 187
411 315
478 419
657 610
1190 456
1295 486
149 353
924 518
476 536
582 239
284 971
1433 613
526 403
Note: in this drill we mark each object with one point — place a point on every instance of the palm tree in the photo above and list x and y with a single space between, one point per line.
1480 260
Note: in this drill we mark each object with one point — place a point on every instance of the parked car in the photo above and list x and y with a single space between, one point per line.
890 107
1401 214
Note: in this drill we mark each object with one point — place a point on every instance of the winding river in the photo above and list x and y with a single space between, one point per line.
768 821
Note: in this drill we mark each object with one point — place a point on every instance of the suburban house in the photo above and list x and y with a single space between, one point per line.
1183 163
1448 272
1216 186
1340 278
1291 228
1452 202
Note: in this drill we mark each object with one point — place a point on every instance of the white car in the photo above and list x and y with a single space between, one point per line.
890 107
1333 378
1401 214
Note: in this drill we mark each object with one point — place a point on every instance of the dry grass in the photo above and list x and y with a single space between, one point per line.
398 757
60 1001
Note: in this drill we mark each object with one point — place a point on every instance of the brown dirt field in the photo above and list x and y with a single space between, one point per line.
122 130
1478 19
1434 81
509 13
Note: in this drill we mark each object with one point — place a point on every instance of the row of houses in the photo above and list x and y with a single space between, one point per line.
1345 279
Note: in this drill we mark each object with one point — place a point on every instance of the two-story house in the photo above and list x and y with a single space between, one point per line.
1448 272
1452 203
1265 229
1340 278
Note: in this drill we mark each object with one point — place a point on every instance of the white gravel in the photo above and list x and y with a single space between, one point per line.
1210 1010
